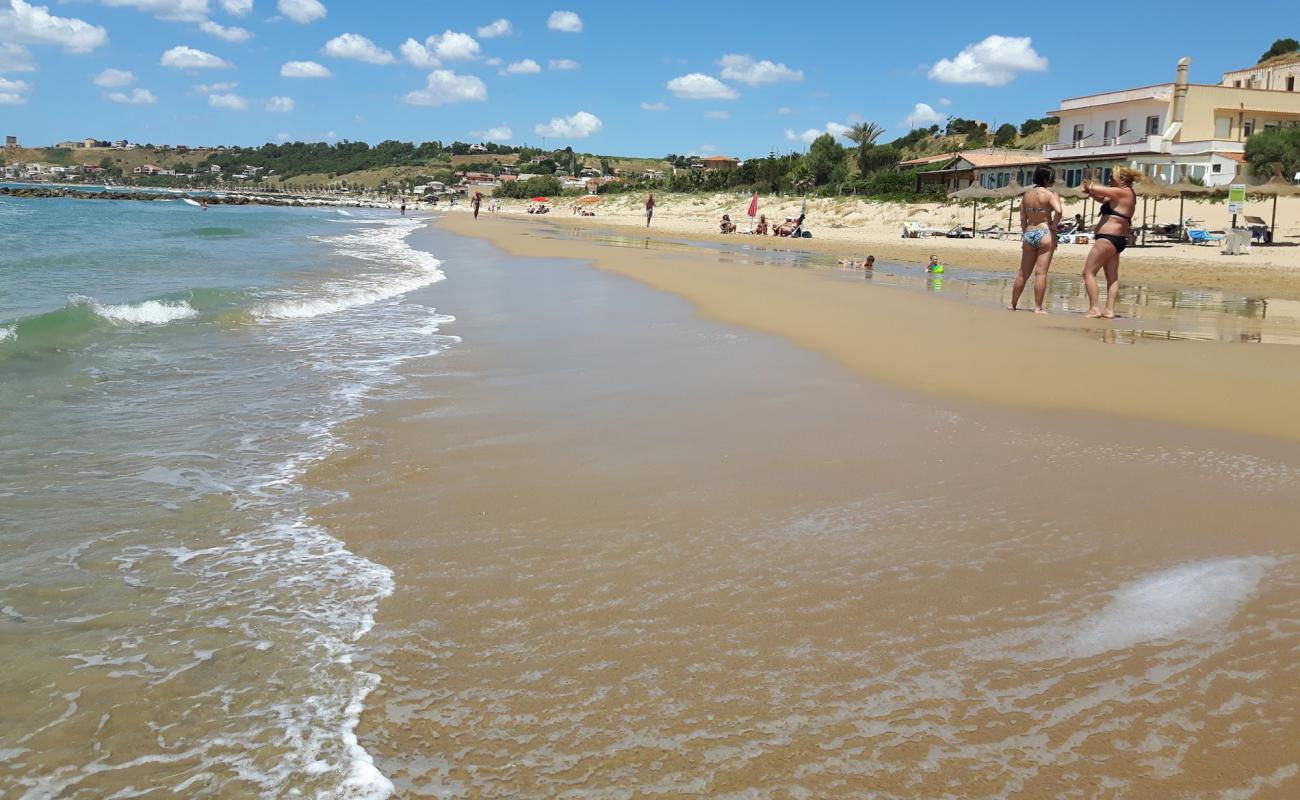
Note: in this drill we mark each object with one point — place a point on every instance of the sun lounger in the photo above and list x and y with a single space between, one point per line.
915 230
1202 236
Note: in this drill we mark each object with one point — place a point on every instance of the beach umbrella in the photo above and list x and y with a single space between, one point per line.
541 199
1011 191
1275 187
1186 187
1152 188
976 193
753 211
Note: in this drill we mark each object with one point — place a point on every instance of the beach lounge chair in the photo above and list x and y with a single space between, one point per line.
1202 236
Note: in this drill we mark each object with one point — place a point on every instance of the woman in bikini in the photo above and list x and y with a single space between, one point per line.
1040 213
1119 201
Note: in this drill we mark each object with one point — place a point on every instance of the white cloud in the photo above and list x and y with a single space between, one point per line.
577 126
175 10
15 58
943 101
493 30
785 111
358 48
231 101
493 61
182 57
282 137
654 106
137 97
923 116
562 63
237 7
565 21
13 92
304 12
303 69
453 46
214 88
525 67
113 78
418 55
23 23
835 129
993 62
444 86
718 115
745 69
500 133
698 86
226 34
280 104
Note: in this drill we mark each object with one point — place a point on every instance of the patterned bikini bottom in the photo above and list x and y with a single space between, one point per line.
1034 237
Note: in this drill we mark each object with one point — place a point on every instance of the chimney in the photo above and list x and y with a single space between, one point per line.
1180 91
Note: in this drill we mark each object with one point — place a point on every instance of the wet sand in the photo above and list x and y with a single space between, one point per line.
640 552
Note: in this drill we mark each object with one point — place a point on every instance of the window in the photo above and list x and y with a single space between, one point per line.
1290 83
1153 126
1078 134
1105 175
1110 130
1223 127
1123 127
1237 84
1073 177
1247 128
1216 168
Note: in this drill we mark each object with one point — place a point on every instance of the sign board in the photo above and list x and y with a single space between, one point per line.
1236 208
1237 193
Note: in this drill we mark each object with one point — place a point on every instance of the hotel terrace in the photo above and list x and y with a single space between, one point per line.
1170 131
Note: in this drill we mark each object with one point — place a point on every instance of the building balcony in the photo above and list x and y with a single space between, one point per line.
1100 148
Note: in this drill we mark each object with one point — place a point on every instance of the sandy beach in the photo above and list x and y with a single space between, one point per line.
735 528
852 228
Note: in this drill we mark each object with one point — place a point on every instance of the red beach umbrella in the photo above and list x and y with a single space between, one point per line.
753 206
541 200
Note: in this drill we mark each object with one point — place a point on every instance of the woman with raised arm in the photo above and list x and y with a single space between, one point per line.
1118 203
1040 213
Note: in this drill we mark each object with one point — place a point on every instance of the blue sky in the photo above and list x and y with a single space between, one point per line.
604 77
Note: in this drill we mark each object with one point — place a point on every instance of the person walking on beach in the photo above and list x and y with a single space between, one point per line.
403 209
1119 201
1040 213
649 209
478 200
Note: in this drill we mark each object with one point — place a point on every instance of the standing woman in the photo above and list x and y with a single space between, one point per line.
1118 202
1040 213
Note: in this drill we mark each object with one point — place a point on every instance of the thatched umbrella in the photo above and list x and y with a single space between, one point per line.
1275 187
1011 191
1186 187
976 193
1153 188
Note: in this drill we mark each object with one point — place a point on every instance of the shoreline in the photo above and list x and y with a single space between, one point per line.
951 349
846 228
609 510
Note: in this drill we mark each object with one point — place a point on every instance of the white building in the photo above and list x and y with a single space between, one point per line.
1168 130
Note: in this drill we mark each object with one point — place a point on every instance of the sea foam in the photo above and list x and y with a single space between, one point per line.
385 245
7 332
149 312
1172 604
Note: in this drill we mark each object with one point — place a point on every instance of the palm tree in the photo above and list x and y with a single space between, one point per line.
864 134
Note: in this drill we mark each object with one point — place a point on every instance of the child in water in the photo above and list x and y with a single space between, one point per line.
934 266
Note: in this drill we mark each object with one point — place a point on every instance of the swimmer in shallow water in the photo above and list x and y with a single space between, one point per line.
934 266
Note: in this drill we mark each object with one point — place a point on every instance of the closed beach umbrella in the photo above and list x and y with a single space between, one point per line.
976 193
1275 187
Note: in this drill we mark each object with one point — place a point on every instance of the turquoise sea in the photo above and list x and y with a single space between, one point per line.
170 617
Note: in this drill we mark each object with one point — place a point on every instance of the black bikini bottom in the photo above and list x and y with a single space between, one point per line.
1120 242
